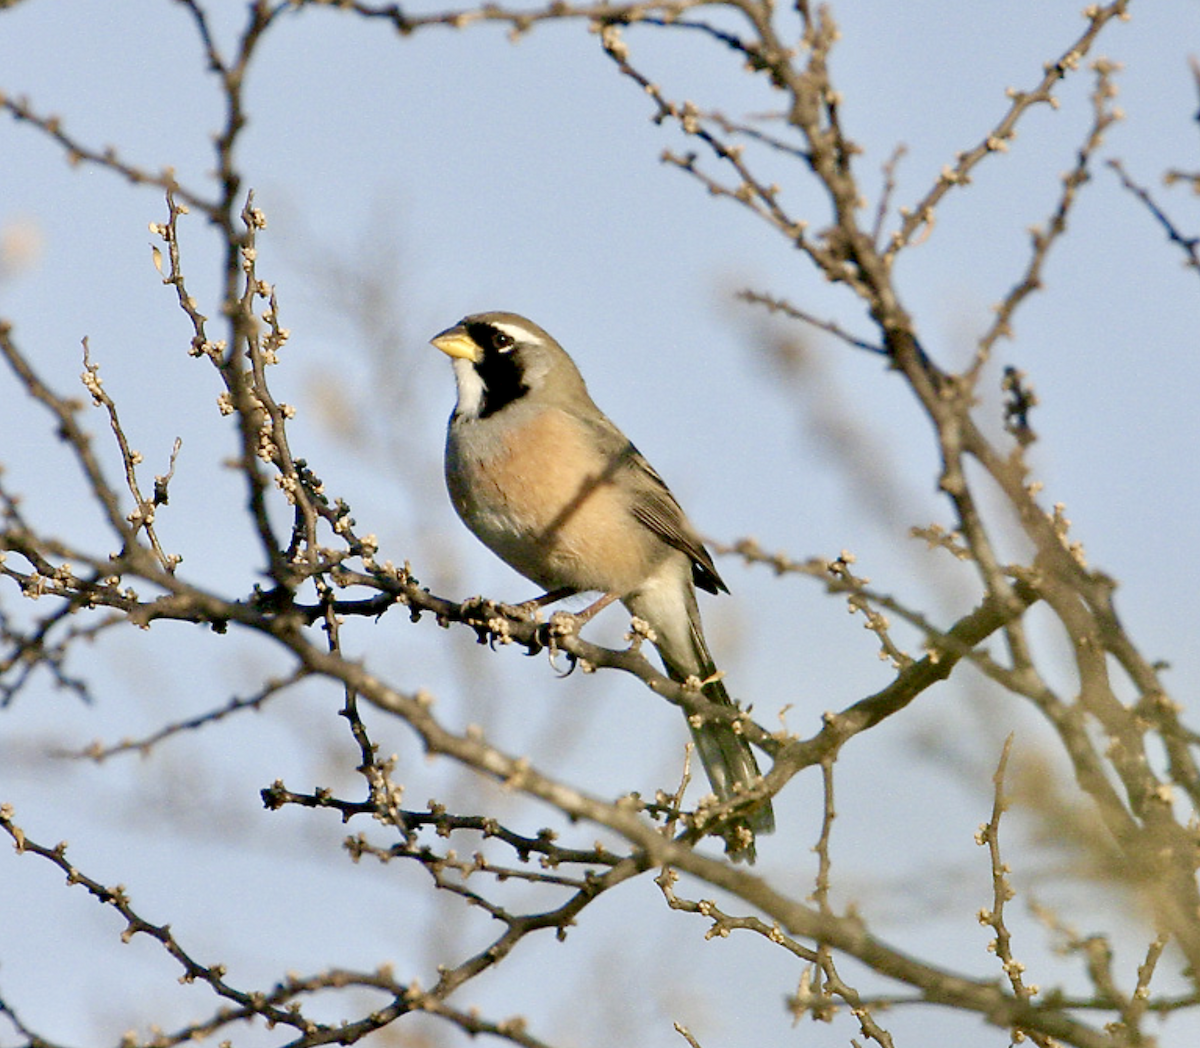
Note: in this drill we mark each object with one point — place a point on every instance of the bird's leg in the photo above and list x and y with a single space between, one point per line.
552 597
594 609
528 607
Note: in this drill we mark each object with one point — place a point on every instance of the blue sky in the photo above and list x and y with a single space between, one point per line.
460 172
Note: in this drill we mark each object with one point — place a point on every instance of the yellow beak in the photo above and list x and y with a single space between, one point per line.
455 342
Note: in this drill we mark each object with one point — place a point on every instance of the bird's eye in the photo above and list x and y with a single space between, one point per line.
502 341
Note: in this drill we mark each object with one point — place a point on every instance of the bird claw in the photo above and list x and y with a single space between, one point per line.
561 624
572 662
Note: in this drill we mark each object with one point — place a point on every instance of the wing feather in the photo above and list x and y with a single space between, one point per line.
653 504
656 507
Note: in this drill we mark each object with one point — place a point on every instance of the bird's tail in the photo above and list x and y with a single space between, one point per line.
727 757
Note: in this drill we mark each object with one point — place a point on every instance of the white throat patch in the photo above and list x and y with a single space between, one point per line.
470 388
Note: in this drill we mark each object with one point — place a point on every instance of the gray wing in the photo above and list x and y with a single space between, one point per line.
655 506
652 502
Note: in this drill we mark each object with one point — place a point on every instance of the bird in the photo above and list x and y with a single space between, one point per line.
549 484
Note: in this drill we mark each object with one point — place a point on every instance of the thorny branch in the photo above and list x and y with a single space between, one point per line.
999 139
1002 893
1190 245
1103 117
280 1005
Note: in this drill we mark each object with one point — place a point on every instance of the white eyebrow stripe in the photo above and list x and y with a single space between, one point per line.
514 331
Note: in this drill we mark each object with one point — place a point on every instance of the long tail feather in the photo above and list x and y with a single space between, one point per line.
728 760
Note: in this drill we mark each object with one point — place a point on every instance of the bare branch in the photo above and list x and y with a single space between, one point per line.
1190 246
1104 115
997 140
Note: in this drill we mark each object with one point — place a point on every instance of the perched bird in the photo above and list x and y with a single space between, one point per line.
553 488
